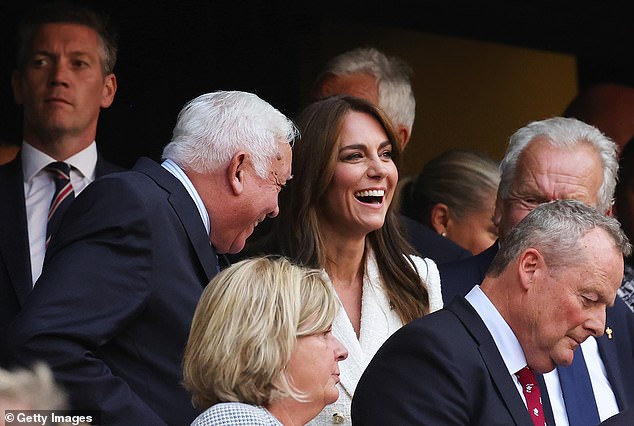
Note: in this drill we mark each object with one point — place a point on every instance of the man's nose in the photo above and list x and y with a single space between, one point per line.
58 75
596 323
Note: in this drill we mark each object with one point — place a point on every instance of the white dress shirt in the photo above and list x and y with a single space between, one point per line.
603 394
39 188
503 336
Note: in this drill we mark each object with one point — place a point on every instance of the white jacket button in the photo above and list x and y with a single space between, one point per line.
338 418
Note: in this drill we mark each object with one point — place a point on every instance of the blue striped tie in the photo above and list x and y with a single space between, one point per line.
64 195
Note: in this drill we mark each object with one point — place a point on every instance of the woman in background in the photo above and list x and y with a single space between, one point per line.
337 215
261 350
454 194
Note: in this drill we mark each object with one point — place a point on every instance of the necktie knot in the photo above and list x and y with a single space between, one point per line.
59 170
533 396
527 379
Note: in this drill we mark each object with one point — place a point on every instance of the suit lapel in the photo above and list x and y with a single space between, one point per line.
609 355
103 167
352 367
378 322
14 242
493 360
187 212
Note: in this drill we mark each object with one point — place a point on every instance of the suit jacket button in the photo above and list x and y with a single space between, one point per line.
338 418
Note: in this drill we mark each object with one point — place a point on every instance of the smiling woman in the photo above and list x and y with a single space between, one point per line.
337 215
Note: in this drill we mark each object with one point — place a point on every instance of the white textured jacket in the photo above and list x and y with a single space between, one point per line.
378 322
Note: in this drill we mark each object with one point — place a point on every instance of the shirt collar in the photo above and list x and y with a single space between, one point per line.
179 174
34 160
503 336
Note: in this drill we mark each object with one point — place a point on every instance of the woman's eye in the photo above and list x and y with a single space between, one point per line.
351 157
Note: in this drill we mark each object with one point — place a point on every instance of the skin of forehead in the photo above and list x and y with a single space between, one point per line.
559 173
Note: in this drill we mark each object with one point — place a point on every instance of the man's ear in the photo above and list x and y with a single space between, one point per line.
440 218
109 90
529 264
236 172
16 85
404 135
497 213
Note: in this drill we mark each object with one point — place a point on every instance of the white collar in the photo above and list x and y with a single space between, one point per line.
34 160
504 338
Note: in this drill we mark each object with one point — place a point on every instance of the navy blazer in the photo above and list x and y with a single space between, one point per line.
459 277
616 349
112 310
430 244
441 369
624 418
15 257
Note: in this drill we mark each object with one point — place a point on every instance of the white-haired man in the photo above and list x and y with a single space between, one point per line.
112 309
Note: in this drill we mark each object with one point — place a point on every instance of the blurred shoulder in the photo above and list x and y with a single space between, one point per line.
235 413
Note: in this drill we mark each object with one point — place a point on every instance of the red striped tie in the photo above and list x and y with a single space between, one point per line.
64 195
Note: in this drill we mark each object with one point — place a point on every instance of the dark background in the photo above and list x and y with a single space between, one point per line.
172 51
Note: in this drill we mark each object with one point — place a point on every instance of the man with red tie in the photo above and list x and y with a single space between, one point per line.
474 362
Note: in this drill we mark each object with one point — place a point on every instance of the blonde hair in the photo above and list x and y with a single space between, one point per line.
35 388
245 329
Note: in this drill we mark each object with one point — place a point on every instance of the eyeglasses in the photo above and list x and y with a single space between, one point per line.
525 203
277 182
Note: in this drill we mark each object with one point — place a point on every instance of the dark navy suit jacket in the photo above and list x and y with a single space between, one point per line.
112 310
441 369
430 244
617 353
15 257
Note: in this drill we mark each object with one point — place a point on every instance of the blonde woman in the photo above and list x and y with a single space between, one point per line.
261 349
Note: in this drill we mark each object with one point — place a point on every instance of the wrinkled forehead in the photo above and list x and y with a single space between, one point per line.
554 173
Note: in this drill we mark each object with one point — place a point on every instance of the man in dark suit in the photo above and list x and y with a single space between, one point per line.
66 56
385 81
561 158
112 309
466 363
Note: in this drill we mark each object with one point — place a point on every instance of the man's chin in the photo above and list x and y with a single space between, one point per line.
565 360
225 246
238 245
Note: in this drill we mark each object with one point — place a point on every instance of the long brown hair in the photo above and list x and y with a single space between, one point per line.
295 233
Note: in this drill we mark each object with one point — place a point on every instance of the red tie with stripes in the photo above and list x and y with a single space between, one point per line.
64 195
532 394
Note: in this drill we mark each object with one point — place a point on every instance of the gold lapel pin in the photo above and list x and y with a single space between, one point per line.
608 331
